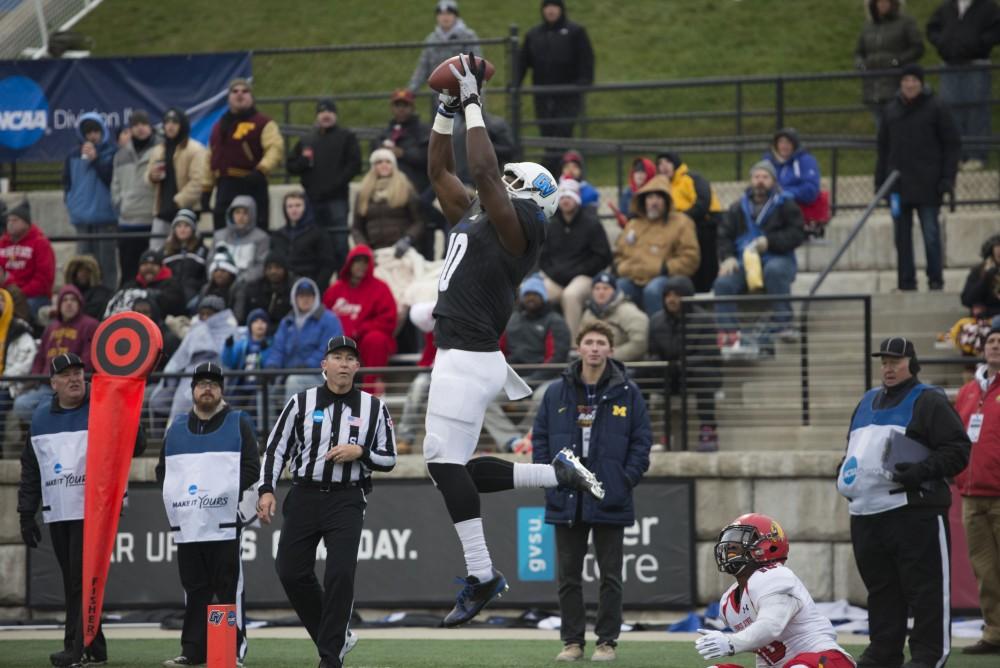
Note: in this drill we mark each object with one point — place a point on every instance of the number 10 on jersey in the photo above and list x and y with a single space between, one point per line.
456 251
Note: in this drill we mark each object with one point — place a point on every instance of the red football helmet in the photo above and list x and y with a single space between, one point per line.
750 539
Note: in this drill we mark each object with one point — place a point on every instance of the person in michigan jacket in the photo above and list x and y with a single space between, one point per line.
596 411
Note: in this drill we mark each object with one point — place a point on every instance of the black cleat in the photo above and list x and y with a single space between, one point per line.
570 472
474 597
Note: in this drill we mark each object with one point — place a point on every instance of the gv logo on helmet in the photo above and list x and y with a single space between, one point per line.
24 112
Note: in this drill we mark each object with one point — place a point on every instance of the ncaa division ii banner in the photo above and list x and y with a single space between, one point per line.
409 553
41 100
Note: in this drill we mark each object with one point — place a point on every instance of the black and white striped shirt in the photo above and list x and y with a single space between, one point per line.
315 421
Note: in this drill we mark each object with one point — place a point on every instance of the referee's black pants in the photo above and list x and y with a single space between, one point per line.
903 558
67 543
210 570
336 516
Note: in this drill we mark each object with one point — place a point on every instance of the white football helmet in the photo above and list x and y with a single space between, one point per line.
529 180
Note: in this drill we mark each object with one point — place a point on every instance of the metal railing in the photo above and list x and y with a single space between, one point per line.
740 112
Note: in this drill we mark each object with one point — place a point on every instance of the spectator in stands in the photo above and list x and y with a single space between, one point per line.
18 346
222 274
84 272
271 292
171 342
203 343
576 248
387 211
696 345
367 311
307 249
768 223
691 193
131 194
978 404
247 351
326 160
300 341
155 282
890 39
185 254
500 135
535 334
656 243
450 37
415 408
918 137
796 168
26 258
629 323
245 146
981 293
407 137
558 52
572 168
964 33
86 181
247 243
643 169
70 330
177 170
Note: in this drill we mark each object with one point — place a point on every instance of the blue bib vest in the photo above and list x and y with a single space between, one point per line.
877 441
201 486
59 440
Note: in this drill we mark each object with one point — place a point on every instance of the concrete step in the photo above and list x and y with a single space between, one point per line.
745 438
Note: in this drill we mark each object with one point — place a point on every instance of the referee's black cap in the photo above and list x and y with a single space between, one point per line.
62 362
342 342
208 371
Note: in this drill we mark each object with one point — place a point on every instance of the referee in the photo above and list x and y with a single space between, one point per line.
334 436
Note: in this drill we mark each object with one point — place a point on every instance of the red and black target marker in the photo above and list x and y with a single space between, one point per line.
127 345
125 349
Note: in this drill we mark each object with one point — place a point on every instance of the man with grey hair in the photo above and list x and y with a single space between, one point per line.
767 221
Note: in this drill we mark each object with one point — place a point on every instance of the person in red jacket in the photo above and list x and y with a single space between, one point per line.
27 259
978 404
366 309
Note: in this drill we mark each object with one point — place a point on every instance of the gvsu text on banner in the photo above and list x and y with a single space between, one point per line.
41 100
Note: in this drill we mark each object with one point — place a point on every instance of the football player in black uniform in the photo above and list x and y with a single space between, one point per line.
494 242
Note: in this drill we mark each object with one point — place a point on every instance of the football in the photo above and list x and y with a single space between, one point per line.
443 81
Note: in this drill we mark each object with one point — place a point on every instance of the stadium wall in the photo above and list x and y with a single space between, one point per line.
795 487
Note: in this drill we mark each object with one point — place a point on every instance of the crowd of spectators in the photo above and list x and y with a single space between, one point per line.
255 297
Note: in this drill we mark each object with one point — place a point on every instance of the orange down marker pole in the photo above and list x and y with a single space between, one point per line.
221 636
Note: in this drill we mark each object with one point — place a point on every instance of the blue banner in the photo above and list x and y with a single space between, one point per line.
536 545
41 100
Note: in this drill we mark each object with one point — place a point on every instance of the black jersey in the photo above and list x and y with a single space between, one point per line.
479 279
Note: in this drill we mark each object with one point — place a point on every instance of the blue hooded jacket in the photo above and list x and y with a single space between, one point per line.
620 439
87 183
798 176
301 339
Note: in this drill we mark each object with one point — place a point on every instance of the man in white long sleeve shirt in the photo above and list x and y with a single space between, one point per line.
768 607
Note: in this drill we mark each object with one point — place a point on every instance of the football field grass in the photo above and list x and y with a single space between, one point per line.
286 653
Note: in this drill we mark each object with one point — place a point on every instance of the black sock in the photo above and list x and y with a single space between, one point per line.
458 490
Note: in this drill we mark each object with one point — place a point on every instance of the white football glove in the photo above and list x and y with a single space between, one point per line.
713 644
470 79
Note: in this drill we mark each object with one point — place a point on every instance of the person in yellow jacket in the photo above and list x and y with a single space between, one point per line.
693 194
657 242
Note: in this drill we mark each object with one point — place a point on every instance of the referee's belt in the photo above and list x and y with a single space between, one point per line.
330 486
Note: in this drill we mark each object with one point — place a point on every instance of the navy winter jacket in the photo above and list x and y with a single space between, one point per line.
620 439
